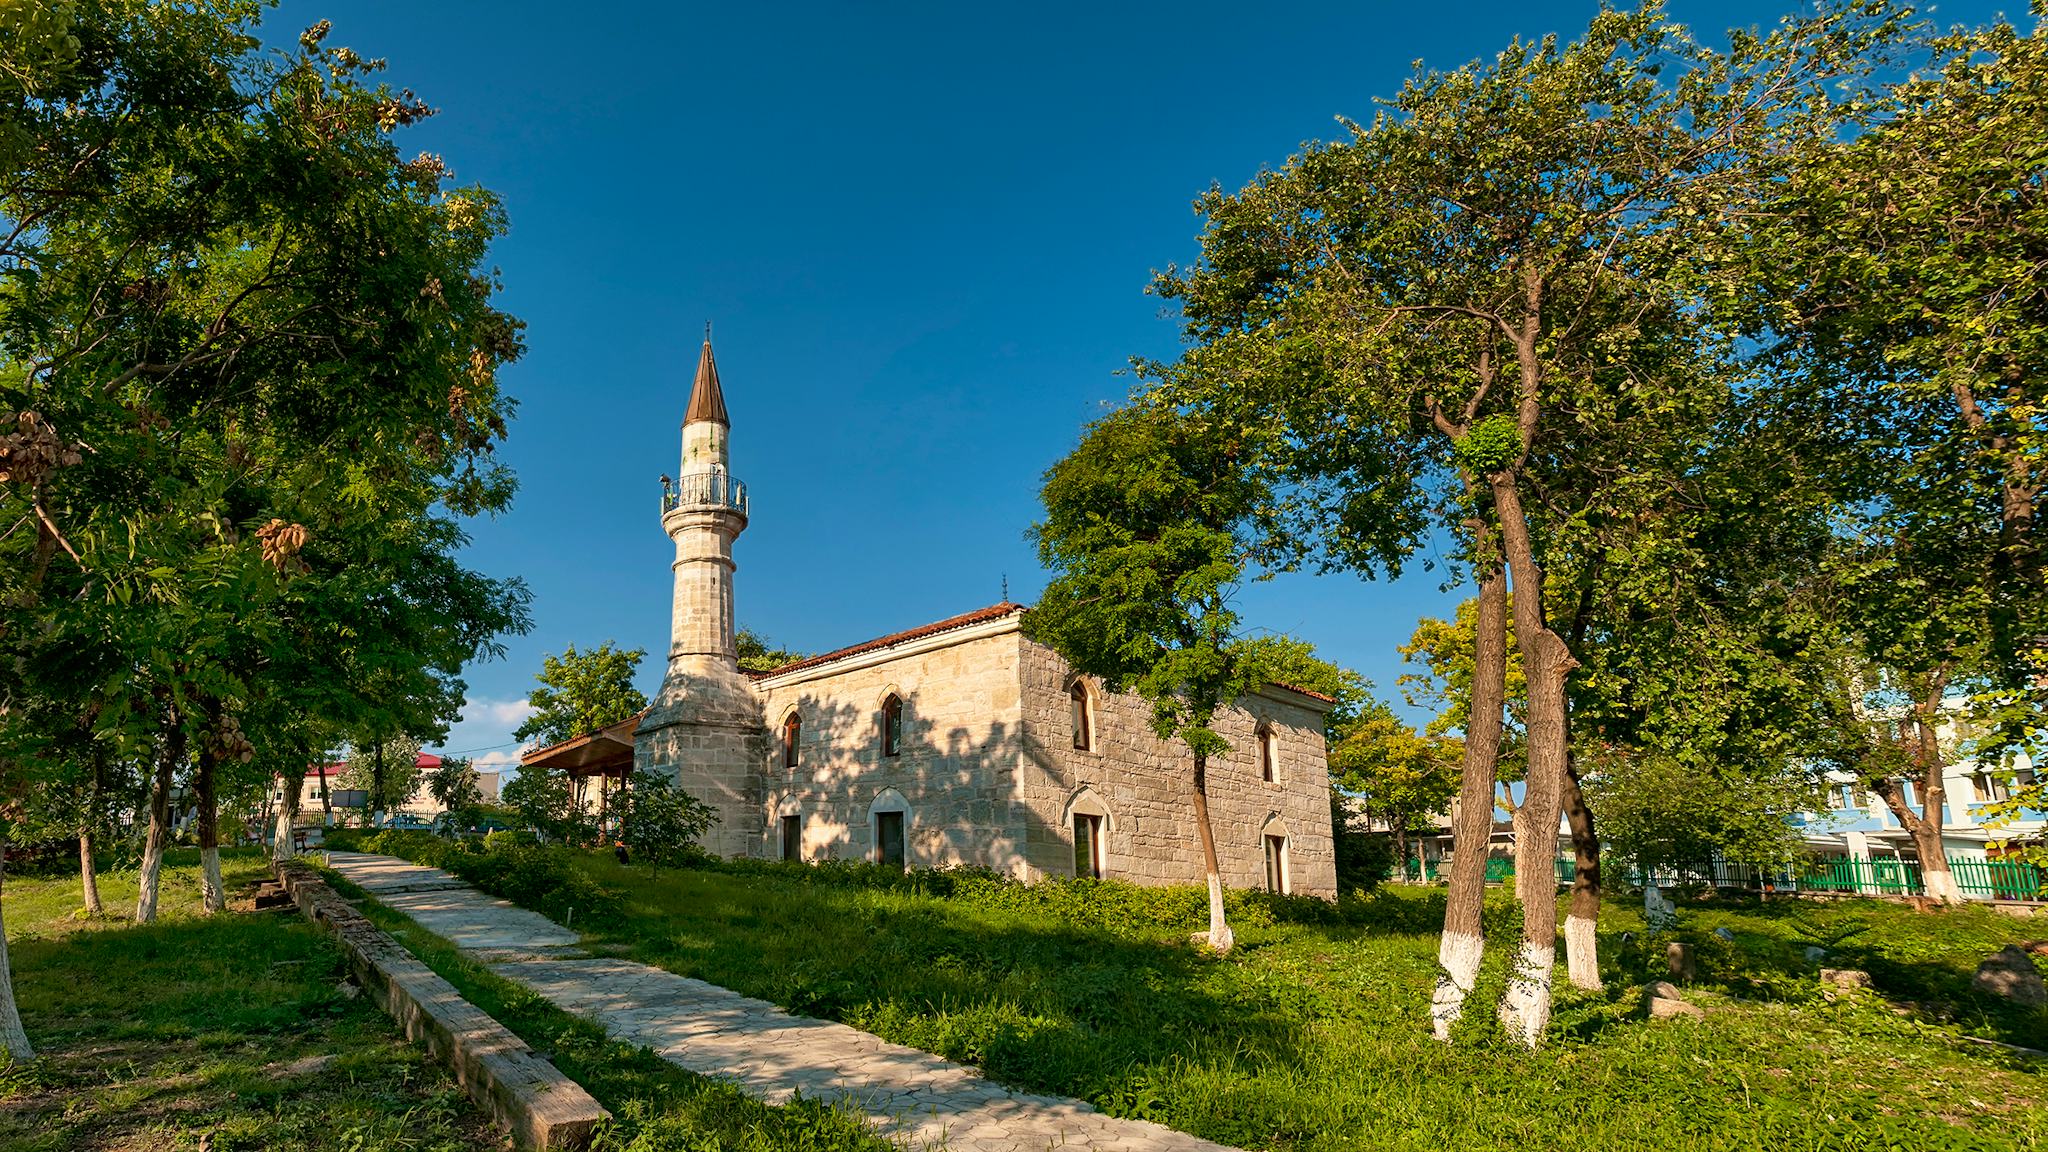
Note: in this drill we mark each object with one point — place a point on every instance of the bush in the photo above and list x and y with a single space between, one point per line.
509 864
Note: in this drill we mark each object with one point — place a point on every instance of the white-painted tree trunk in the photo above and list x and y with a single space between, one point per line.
1458 955
13 1037
1582 951
281 844
1941 885
1220 936
1525 1006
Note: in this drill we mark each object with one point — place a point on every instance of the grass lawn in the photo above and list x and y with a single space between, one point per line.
229 1033
1315 1036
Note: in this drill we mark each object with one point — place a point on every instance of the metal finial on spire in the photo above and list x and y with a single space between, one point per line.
1006 587
707 331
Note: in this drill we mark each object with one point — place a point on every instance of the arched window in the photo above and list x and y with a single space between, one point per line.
1276 863
892 725
1078 711
1269 753
889 829
792 732
1279 869
1091 823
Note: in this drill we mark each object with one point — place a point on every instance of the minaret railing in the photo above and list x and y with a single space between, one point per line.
705 489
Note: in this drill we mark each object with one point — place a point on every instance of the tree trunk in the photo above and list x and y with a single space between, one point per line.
1582 922
1463 943
13 1037
88 872
88 875
159 820
1401 849
326 801
376 786
212 897
1940 883
1220 936
287 815
1546 662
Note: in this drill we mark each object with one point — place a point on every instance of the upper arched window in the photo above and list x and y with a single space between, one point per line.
892 725
792 733
1269 752
1079 713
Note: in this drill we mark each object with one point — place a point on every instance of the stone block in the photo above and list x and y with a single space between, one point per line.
1838 982
542 1109
2010 974
1679 961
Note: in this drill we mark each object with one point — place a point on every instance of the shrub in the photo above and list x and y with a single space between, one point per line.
537 876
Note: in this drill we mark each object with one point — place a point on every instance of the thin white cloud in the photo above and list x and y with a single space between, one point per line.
484 710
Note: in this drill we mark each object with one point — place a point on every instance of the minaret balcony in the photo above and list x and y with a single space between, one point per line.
702 490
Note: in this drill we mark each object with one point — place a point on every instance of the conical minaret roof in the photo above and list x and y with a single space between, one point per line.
707 401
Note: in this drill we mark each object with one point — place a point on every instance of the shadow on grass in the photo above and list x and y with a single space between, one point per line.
153 1035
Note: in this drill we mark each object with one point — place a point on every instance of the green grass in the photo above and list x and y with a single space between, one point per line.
1313 1036
657 1106
159 1037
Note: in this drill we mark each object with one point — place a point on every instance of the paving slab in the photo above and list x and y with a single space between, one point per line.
913 1097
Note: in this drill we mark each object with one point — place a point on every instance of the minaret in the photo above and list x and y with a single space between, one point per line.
704 730
704 515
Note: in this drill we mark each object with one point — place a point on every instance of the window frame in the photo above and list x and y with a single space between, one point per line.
892 725
902 822
1269 752
1277 879
1081 715
1092 822
792 739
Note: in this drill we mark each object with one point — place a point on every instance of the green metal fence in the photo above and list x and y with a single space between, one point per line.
1978 879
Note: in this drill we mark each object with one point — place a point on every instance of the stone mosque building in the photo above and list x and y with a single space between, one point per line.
959 742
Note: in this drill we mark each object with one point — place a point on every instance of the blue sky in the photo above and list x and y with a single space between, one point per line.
923 233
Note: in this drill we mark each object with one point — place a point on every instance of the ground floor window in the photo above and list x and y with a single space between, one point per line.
1087 845
792 837
889 839
1276 863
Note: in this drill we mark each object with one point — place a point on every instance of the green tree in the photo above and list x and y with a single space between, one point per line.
1399 776
1145 532
547 803
453 784
248 364
757 653
1449 314
388 771
581 692
1894 270
1660 814
659 822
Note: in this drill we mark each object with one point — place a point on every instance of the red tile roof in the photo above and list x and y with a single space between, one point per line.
424 760
965 620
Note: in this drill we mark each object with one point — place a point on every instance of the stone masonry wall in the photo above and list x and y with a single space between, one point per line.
956 769
1150 835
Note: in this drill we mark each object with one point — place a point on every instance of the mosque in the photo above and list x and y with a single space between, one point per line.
958 742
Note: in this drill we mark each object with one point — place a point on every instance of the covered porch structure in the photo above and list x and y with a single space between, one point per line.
597 763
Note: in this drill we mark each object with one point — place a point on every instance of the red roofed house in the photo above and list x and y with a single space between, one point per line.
420 803
959 742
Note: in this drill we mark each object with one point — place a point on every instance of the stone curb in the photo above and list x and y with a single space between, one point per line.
543 1109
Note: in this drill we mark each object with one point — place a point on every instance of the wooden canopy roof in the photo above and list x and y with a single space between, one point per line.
605 752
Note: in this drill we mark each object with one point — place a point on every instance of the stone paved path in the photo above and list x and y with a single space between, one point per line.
913 1097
